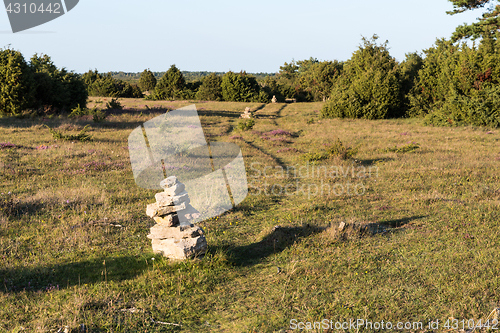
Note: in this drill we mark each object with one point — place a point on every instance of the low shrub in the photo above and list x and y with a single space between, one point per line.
114 104
97 115
245 124
482 108
81 136
338 149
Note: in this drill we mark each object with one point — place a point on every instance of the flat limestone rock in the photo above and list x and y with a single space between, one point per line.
189 212
180 248
164 232
163 199
175 189
154 209
168 220
168 182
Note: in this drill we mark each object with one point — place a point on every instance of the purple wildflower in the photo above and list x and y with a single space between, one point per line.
278 132
7 145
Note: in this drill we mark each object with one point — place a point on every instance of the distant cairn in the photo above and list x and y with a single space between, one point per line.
171 237
247 114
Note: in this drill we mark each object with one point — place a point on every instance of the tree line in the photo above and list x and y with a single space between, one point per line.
451 83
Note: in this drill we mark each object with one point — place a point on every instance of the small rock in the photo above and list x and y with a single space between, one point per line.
164 232
175 189
164 199
169 220
341 226
168 182
180 248
154 209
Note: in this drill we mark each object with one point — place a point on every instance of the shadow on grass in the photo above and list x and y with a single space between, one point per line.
374 161
213 113
278 240
48 278
400 222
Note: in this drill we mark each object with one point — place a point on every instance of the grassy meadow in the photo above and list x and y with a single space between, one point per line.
75 257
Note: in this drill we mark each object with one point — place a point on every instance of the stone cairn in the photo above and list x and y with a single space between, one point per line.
247 114
174 237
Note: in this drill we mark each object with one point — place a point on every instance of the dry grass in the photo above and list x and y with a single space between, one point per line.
419 243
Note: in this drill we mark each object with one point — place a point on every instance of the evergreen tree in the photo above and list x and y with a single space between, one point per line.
488 24
211 88
147 81
16 82
239 87
368 87
171 85
318 79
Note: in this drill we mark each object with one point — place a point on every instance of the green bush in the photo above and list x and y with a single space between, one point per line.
245 124
57 88
171 86
369 86
239 87
38 85
408 74
78 112
318 80
458 85
481 108
338 149
97 115
147 81
114 104
104 85
81 136
273 87
16 83
210 89
262 97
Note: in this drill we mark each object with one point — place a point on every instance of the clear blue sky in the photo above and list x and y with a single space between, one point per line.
222 35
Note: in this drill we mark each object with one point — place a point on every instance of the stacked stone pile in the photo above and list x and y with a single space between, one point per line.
174 235
247 114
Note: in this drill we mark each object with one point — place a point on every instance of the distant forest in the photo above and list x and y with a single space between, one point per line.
133 78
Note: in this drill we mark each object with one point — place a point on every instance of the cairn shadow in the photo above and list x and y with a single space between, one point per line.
60 276
277 241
